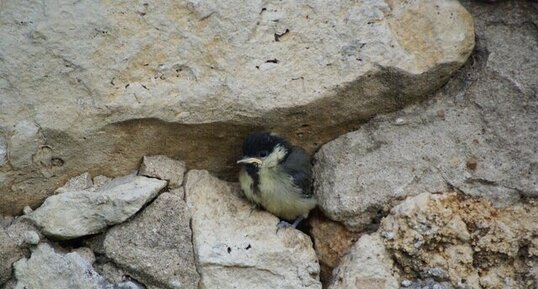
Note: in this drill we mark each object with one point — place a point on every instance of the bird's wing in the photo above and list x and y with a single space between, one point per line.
299 166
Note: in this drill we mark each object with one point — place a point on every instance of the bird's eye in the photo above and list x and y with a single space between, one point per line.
262 154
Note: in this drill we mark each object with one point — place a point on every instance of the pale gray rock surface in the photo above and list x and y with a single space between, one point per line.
77 213
164 168
155 247
48 269
478 134
367 266
237 247
107 82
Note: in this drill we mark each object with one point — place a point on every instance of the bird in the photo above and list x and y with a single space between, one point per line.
278 177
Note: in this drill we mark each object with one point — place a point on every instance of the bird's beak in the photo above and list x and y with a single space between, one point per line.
256 161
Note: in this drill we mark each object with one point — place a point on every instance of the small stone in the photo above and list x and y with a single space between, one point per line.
164 168
406 283
400 121
31 238
438 272
86 253
6 221
100 181
175 284
368 264
78 183
389 235
27 210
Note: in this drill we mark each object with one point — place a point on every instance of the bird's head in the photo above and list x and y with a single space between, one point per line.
264 150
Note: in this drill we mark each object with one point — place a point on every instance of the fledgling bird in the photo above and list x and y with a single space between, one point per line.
277 176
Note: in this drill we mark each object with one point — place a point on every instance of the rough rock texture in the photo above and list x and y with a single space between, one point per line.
103 83
425 284
10 284
164 168
15 238
478 134
331 241
367 266
78 183
3 151
119 277
465 241
77 213
9 253
155 247
47 269
23 233
237 247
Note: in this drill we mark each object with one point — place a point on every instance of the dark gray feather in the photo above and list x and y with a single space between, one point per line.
299 166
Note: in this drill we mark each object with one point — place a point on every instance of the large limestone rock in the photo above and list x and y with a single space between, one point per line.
464 241
94 86
237 247
155 247
75 213
367 266
478 134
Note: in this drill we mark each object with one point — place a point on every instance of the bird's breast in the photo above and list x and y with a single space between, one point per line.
280 196
249 187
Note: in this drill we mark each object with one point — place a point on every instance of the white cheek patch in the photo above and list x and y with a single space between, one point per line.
275 156
280 152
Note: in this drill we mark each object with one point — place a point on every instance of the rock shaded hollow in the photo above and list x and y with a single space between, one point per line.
100 85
